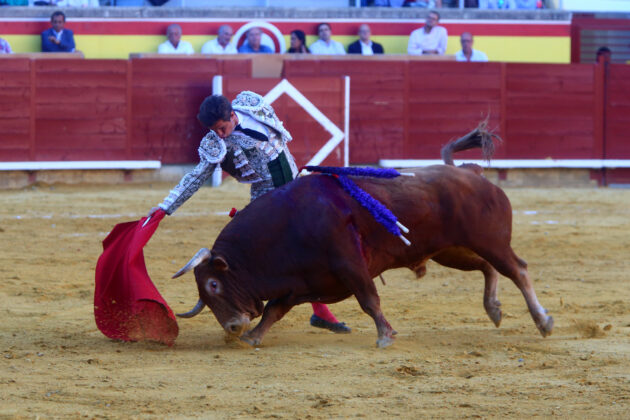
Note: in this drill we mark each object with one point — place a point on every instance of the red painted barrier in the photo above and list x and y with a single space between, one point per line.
73 109
145 108
408 110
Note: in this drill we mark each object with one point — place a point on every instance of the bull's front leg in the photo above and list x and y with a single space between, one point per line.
274 310
370 302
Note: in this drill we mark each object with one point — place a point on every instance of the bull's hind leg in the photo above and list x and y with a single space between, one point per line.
466 260
511 266
274 311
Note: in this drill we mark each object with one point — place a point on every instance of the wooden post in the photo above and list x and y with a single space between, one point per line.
33 110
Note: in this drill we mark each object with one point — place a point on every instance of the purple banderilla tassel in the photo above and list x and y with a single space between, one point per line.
373 172
381 213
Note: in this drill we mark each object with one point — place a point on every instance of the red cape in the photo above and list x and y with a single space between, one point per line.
127 306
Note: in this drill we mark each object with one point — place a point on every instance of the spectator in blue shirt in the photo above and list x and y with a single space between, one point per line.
56 38
253 44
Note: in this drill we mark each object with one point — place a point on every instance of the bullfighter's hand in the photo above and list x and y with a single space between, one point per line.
153 210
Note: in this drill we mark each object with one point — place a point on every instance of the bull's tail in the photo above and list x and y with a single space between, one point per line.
479 137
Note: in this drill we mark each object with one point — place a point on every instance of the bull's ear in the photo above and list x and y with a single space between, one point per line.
218 263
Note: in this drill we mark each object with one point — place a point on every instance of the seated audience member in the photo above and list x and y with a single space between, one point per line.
364 45
326 45
254 45
57 38
298 43
221 44
430 39
387 3
467 53
423 3
497 4
5 48
77 3
174 43
603 55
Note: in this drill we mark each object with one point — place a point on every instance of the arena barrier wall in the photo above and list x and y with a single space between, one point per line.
542 111
144 109
86 110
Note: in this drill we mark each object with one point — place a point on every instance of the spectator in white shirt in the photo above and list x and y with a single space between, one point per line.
430 39
467 53
326 45
174 43
221 44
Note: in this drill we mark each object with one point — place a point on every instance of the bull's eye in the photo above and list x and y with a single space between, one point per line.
213 284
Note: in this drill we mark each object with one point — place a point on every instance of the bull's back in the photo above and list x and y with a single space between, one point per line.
442 206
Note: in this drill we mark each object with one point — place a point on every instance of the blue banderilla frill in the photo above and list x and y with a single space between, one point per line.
380 213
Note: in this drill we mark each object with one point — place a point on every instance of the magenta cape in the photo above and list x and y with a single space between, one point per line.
127 306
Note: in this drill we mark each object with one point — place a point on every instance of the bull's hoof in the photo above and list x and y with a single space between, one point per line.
546 328
493 309
336 327
383 342
495 315
249 340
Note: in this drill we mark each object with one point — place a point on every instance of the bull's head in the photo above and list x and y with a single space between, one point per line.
221 292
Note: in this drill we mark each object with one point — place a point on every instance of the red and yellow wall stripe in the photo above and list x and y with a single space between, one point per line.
501 40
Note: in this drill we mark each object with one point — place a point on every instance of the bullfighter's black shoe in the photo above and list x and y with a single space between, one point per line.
339 327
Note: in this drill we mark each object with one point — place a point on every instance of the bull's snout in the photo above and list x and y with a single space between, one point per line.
237 326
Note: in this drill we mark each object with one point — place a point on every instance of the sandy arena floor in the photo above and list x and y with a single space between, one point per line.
449 361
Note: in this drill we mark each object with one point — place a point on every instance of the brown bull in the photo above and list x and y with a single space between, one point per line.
310 241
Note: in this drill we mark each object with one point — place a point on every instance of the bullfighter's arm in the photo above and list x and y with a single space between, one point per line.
212 151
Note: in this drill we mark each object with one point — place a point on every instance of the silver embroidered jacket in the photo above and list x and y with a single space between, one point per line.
243 157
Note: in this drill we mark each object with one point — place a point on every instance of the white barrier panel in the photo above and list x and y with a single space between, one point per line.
80 165
514 163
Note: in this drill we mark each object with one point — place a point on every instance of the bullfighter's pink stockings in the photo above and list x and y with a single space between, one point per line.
322 311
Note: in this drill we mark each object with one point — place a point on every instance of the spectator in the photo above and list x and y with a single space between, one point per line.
467 53
430 39
298 43
253 44
604 55
5 48
221 44
497 4
326 45
364 45
57 38
423 3
388 3
174 43
77 3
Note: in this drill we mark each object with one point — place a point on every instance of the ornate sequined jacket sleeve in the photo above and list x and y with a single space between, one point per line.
212 151
255 106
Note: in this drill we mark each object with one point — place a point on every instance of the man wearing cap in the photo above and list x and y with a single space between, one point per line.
248 141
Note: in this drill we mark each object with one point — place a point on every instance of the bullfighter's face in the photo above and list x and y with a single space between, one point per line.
224 128
218 289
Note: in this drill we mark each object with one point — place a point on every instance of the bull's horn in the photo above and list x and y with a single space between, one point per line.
194 311
201 255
